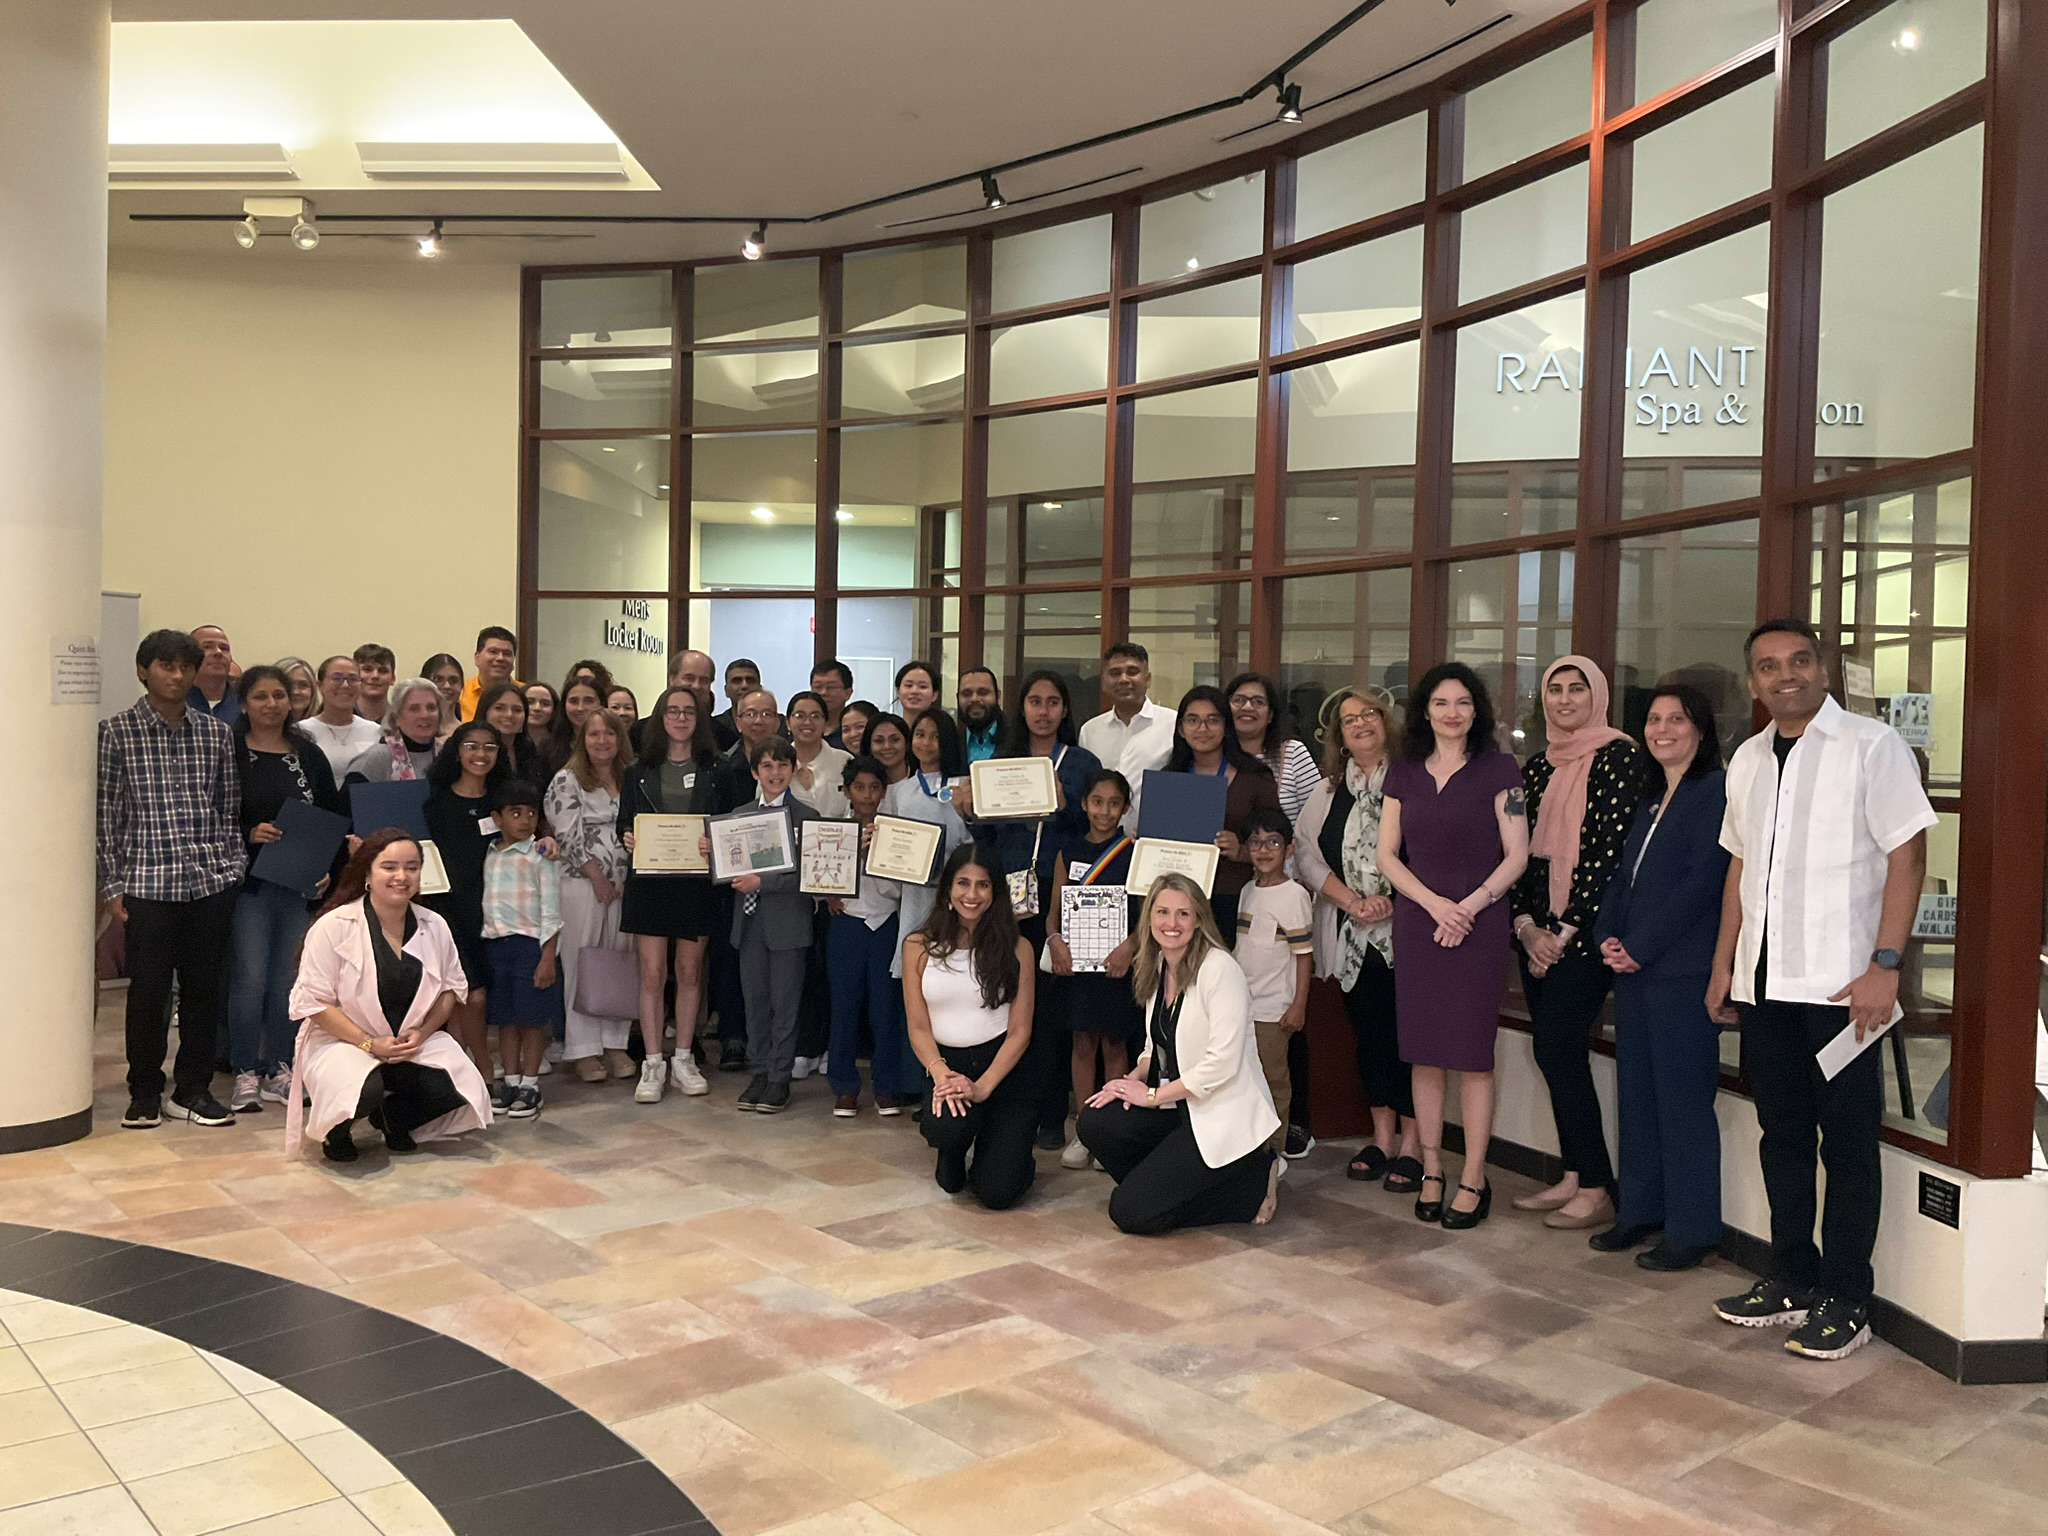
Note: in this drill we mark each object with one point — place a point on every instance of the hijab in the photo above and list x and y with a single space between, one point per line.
1561 818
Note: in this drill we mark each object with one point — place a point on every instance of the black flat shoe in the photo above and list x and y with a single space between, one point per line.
1455 1220
1404 1176
1670 1257
1430 1210
399 1141
1370 1163
1619 1238
339 1147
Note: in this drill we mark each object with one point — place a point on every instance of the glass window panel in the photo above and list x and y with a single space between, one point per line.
1685 604
899 505
753 511
1204 228
607 392
1058 630
1693 414
1049 451
1345 419
1680 40
1898 310
1544 102
1708 159
1906 57
903 378
1361 178
629 635
1068 356
1510 618
603 520
1516 422
1046 266
1522 235
1032 540
756 300
1045 495
755 387
630 309
1339 631
1197 634
903 285
775 633
1191 494
1211 327
1358 289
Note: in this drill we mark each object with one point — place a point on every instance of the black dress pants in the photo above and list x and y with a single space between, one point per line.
1161 1181
1798 1109
187 940
1563 1006
408 1095
814 1015
986 1151
1388 1081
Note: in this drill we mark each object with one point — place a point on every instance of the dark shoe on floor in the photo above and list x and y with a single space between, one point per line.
846 1106
1404 1176
1767 1304
774 1099
339 1147
1427 1209
399 1141
143 1115
1619 1238
524 1103
501 1095
1455 1220
1833 1328
1668 1258
890 1105
1299 1143
1368 1166
1051 1139
733 1057
200 1107
750 1096
951 1172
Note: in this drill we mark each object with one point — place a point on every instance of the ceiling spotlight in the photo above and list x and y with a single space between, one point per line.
1194 263
246 233
756 243
430 242
764 514
842 516
1290 103
305 233
991 194
1908 40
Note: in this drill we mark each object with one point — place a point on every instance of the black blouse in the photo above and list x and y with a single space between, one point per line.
1614 789
1165 1039
398 974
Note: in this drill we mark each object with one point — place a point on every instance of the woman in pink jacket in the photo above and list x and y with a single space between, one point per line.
378 979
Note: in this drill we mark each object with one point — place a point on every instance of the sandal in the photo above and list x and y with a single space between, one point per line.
1370 1163
1404 1176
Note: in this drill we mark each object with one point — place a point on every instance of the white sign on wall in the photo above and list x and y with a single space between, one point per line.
1912 716
74 669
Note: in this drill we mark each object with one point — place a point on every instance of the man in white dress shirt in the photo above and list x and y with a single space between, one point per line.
1827 822
1133 734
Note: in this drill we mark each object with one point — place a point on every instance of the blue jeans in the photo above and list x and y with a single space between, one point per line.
857 961
269 923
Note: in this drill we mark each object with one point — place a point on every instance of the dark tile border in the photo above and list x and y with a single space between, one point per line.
493 1450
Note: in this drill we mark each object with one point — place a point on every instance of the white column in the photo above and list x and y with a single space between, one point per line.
53 322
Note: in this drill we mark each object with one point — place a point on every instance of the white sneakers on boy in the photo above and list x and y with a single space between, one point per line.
653 1079
683 1069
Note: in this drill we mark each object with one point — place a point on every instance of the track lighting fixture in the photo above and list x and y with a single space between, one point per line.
756 243
1290 103
430 242
991 194
247 233
305 233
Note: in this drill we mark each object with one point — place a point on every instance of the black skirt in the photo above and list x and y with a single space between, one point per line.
669 906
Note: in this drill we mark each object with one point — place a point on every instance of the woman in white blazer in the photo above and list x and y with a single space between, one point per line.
1186 1135
378 979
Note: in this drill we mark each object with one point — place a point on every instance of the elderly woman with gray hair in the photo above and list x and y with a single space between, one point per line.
1336 843
412 731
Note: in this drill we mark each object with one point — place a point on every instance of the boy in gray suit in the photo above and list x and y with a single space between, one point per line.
771 929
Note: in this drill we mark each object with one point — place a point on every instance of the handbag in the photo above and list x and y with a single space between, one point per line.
607 983
1024 882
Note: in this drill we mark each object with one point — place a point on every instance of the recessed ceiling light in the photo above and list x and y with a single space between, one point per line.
842 516
606 448
1052 506
764 514
1194 264
1908 40
661 487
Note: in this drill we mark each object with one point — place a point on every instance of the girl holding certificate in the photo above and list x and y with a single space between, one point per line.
1204 742
937 755
967 992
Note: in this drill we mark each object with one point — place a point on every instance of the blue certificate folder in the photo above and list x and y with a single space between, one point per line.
305 854
372 807
1182 807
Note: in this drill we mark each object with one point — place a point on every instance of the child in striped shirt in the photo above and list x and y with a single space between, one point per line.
522 927
1275 920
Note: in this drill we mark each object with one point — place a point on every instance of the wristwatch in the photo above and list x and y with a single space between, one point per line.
1887 959
1151 1098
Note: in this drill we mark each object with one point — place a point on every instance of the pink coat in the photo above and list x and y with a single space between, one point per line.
338 969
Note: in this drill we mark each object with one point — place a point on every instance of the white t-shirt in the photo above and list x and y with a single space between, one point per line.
343 744
1275 923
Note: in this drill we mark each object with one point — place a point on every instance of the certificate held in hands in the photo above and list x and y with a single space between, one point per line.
1014 787
905 850
303 856
373 807
669 845
1182 807
1156 856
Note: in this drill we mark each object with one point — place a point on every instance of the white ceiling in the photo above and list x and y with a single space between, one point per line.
786 108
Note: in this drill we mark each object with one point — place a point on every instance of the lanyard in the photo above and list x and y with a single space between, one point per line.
923 784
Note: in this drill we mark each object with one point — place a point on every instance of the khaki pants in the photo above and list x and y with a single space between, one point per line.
1273 1061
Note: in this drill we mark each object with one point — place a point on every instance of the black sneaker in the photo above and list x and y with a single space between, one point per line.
143 1115
774 1099
750 1096
1052 1139
1833 1328
200 1107
523 1103
1767 1304
501 1094
1299 1143
733 1058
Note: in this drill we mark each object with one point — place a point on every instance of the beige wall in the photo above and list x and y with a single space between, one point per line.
314 452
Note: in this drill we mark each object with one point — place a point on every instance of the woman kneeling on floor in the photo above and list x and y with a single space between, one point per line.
967 993
1186 1134
378 979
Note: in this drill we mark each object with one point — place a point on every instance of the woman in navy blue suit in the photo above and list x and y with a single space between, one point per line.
1656 932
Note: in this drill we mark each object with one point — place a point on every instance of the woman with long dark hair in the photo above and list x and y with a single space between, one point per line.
936 755
465 776
378 980
1255 717
445 673
854 720
595 673
968 985
546 726
888 743
1454 839
1204 742
502 706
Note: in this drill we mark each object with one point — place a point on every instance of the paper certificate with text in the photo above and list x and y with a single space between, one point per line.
1156 856
669 845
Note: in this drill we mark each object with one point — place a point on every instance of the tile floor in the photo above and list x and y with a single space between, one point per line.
790 1319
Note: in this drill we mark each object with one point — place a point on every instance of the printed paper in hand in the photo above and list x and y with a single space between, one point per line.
1094 919
1845 1048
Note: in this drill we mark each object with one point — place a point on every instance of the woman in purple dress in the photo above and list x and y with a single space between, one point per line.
1454 838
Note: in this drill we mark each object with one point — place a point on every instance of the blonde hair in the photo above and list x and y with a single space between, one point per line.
1331 734
1145 977
579 762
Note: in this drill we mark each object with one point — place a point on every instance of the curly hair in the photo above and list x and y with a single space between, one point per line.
1419 737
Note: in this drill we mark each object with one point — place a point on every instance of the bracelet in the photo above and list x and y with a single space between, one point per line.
365 1044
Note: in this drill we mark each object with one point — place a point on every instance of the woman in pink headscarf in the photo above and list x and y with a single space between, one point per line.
1582 788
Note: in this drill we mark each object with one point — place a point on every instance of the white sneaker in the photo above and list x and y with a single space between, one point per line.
277 1088
653 1078
1076 1155
687 1077
547 1068
247 1098
802 1068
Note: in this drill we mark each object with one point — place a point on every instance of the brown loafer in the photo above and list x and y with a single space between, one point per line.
1602 1215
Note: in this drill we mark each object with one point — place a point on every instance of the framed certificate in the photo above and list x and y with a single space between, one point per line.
433 873
828 862
1013 787
906 850
757 840
1156 856
669 845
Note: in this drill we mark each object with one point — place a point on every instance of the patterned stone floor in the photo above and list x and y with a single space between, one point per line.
790 1319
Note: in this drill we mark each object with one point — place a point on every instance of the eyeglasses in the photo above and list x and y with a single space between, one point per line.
757 714
1248 701
1202 722
679 712
475 744
1347 722
1264 842
806 717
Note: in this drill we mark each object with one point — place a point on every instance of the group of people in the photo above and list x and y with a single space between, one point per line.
1413 865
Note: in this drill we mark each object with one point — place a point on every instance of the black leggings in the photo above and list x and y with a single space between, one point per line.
409 1095
1161 1181
1387 1080
1563 1006
997 1132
